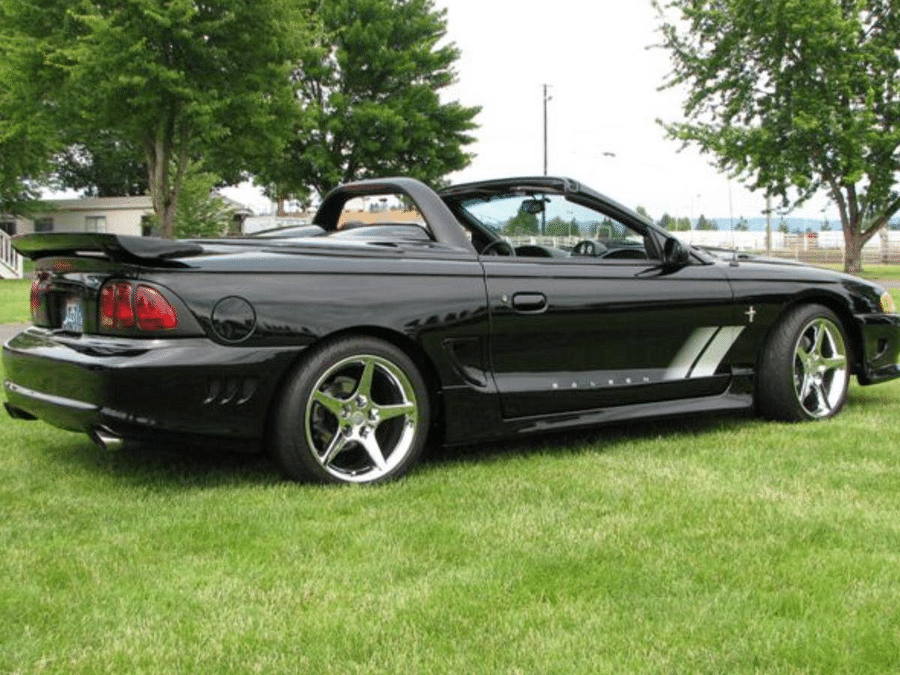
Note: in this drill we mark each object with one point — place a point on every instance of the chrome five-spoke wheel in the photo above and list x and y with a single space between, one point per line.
804 368
820 368
360 421
356 411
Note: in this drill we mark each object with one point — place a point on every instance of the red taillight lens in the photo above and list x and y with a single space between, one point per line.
153 311
115 305
38 289
35 297
122 305
124 312
108 306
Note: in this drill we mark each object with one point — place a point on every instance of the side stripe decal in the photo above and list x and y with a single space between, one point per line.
703 351
711 358
684 360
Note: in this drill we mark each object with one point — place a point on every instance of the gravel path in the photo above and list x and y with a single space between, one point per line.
7 330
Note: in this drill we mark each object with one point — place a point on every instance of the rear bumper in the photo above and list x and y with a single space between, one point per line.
143 388
881 347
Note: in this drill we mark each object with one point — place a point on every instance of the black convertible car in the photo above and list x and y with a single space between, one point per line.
343 346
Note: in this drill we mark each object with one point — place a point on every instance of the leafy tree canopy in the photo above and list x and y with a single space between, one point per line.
370 90
704 224
795 96
102 166
523 223
177 79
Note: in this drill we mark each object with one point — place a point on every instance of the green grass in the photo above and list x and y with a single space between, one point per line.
720 545
14 299
872 272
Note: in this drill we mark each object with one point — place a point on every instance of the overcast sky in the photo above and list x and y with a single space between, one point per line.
605 99
604 82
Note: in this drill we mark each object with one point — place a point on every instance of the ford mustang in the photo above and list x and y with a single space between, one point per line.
344 346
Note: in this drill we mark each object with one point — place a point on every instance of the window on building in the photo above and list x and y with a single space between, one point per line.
95 224
8 226
43 224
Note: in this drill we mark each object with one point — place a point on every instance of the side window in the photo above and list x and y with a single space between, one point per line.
550 226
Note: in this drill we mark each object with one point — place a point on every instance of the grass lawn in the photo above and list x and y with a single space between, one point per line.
14 300
720 545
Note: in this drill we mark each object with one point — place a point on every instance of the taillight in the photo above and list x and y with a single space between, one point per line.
39 286
122 305
35 297
153 310
123 313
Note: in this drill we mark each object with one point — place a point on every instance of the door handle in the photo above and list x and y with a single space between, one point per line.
529 303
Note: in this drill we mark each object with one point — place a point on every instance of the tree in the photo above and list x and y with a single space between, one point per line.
180 80
795 96
704 224
558 227
641 211
22 162
370 89
523 223
27 137
102 166
667 222
201 212
742 225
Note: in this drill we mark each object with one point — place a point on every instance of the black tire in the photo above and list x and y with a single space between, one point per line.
805 366
355 410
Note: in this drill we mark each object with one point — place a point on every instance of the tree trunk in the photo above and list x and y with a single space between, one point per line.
853 244
165 184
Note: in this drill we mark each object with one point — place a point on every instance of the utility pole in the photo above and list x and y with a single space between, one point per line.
547 97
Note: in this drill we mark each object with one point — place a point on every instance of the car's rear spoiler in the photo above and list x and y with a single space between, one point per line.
121 248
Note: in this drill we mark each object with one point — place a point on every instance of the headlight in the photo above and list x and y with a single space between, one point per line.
888 306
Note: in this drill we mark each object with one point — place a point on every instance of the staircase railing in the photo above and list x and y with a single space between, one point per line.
10 260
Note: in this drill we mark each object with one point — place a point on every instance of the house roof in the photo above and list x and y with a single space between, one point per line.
142 203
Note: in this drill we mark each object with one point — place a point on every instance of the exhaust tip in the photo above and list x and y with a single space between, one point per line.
106 440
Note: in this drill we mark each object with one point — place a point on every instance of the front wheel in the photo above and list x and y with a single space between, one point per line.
355 411
804 370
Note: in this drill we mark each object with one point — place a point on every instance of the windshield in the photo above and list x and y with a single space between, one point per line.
537 214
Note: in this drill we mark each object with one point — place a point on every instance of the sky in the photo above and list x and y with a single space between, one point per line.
602 128
604 82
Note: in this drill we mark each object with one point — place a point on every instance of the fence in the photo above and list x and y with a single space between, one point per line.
820 248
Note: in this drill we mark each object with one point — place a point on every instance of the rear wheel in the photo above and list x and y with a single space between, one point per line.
804 370
355 411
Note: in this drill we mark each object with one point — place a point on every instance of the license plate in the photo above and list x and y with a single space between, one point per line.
73 319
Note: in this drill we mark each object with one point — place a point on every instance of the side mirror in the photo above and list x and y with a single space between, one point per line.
675 254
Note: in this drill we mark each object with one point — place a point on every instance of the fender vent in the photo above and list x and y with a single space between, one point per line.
229 391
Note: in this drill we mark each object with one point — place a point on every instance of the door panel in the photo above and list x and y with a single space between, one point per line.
568 334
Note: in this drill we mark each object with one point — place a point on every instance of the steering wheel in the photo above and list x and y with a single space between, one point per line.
625 254
586 247
494 248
